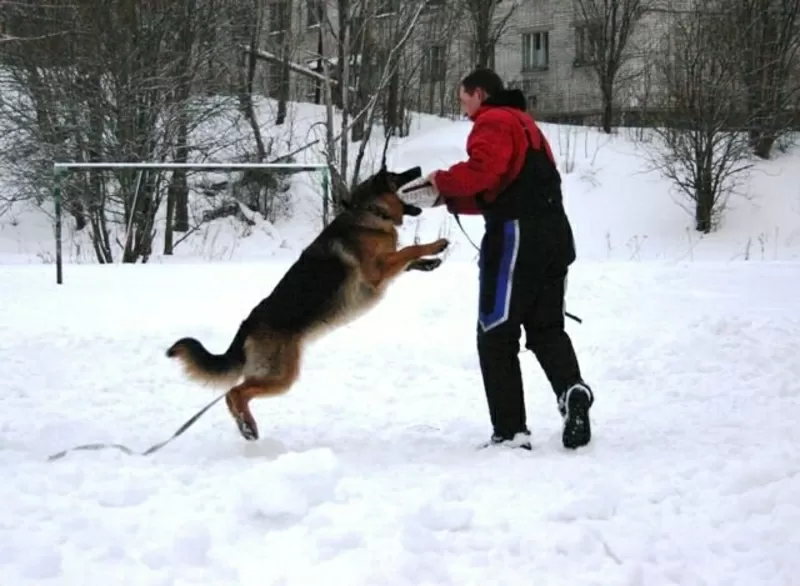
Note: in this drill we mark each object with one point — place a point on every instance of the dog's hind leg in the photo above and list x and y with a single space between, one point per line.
282 376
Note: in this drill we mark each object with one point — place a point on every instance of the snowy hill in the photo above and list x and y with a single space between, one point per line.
619 208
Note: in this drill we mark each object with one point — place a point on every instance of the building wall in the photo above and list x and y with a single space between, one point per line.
555 79
565 82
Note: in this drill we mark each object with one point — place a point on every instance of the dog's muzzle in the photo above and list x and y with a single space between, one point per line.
401 179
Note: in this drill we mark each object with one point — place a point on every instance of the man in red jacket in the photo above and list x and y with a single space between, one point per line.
512 180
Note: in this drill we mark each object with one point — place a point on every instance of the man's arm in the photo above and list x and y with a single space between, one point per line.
490 151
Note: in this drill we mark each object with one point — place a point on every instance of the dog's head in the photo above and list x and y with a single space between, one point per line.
380 191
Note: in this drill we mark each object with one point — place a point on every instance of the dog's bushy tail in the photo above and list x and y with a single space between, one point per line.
202 365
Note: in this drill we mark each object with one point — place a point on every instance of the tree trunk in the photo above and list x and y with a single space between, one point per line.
704 201
178 188
703 211
391 112
182 204
284 91
317 84
169 244
762 143
607 120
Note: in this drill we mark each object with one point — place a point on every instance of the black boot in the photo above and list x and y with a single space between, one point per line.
574 405
519 440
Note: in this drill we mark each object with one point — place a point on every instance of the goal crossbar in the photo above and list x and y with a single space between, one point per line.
201 166
61 168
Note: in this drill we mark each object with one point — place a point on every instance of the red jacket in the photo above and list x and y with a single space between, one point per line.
496 147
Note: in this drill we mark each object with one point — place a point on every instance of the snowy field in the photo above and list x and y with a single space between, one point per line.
367 472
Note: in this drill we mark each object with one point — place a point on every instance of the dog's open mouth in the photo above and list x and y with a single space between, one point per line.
404 178
409 210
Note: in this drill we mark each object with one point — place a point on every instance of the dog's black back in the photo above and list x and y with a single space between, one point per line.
307 293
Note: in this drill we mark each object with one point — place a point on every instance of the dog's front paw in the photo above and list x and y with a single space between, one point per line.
440 245
425 264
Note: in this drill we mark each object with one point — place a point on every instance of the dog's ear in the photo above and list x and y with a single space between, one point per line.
383 182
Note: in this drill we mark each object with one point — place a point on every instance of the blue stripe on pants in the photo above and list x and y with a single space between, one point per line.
505 278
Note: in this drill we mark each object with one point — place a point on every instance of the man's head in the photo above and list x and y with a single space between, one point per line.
476 87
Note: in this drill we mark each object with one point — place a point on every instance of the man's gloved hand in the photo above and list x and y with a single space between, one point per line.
431 178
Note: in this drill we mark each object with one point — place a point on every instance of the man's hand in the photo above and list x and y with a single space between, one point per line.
431 178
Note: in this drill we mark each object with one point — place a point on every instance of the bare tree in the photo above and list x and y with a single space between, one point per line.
376 44
488 20
280 41
699 143
438 54
384 69
188 59
369 38
603 36
112 85
765 37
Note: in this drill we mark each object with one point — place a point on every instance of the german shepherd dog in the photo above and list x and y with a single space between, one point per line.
337 278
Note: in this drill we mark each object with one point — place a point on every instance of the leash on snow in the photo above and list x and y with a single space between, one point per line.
152 449
427 184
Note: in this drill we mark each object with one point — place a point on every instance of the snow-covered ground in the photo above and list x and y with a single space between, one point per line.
367 472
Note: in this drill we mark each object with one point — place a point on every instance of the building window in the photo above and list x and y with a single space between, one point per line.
279 16
535 50
433 64
586 44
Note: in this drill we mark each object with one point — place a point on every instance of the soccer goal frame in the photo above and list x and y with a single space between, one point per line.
62 168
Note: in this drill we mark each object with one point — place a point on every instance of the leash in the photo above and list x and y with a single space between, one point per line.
152 449
427 184
460 225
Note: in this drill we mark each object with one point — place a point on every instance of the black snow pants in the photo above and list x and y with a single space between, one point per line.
523 279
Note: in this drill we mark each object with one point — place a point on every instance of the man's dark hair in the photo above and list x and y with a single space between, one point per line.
483 78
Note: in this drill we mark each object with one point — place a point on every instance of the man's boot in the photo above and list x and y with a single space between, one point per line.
574 405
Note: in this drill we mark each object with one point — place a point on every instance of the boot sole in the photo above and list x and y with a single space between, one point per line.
577 426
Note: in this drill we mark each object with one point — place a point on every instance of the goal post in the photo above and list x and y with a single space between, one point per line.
62 168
